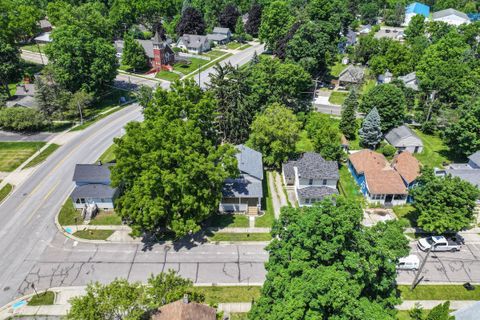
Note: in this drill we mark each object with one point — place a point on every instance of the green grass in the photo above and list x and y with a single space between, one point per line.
219 236
233 45
43 299
208 65
367 86
435 153
337 68
347 185
167 75
12 87
43 155
227 221
266 221
194 64
403 315
245 46
438 292
93 234
67 214
108 155
13 154
214 53
304 144
238 316
406 212
88 123
106 219
215 294
33 47
5 191
337 97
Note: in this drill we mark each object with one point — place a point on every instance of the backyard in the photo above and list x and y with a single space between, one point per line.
13 154
347 185
435 153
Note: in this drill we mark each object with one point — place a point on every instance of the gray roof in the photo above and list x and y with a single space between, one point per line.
27 89
469 175
353 74
43 37
92 173
146 44
245 188
25 101
317 192
249 161
216 37
44 23
221 30
94 191
449 12
396 135
312 166
410 80
475 158
470 312
351 37
193 40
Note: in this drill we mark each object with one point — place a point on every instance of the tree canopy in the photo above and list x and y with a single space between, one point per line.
191 22
370 133
463 136
325 135
276 21
133 54
348 123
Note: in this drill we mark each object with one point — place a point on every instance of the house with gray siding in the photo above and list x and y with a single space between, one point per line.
312 177
194 43
404 139
243 194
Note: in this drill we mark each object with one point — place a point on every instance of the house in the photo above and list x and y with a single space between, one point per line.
24 97
469 312
469 172
92 186
451 16
160 54
194 43
350 40
185 310
379 181
410 80
416 8
313 178
45 25
220 35
408 167
365 29
351 75
393 33
243 194
404 139
386 77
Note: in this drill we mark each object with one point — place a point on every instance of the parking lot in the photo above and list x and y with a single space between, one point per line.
446 267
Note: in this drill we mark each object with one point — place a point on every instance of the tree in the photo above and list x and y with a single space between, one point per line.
254 20
275 133
80 60
240 34
416 313
369 12
390 102
22 19
325 136
323 264
80 101
52 99
228 17
191 22
440 312
276 21
123 300
10 65
463 136
21 119
370 133
444 203
416 27
348 123
133 54
170 165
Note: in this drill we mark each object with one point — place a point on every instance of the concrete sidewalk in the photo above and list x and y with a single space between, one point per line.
430 304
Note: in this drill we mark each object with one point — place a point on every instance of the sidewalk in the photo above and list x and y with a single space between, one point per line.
430 304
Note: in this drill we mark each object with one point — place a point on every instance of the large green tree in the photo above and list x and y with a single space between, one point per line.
276 21
390 103
133 54
274 133
348 123
463 136
170 165
10 65
323 264
444 203
325 136
18 20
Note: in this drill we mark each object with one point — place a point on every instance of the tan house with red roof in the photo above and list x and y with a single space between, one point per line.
380 181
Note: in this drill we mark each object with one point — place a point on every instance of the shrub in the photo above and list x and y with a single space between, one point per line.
21 119
388 150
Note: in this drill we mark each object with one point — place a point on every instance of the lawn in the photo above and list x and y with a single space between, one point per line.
43 155
93 234
67 214
91 121
108 155
167 75
367 86
266 221
233 45
435 153
5 191
216 294
439 292
214 54
194 65
406 212
208 65
337 68
347 185
219 236
337 97
238 316
304 144
43 299
34 47
13 154
106 218
227 221
403 315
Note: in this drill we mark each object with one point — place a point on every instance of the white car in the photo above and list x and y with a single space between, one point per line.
440 243
411 262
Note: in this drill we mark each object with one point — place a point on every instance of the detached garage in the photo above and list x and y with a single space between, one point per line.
404 139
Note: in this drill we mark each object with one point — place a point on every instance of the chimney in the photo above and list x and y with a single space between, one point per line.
185 298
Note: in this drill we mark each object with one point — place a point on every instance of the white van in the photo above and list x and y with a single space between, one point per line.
412 262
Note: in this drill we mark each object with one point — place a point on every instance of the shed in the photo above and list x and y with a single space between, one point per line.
404 139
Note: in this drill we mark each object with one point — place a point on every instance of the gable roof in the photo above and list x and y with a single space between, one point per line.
407 165
449 12
312 166
470 175
92 173
146 44
94 190
353 74
418 8
367 159
475 158
244 188
249 161
180 310
397 135
221 30
216 36
316 192
410 80
44 24
193 40
25 101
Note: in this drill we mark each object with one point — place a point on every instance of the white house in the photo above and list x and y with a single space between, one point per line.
404 139
194 43
313 178
220 35
451 16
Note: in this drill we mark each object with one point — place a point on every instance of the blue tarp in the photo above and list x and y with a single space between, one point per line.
474 16
418 8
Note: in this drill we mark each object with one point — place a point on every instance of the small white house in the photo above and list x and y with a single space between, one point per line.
404 139
194 43
451 16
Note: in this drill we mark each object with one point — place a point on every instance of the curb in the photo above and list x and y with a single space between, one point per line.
8 195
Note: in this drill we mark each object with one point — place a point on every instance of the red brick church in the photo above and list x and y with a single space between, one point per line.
163 55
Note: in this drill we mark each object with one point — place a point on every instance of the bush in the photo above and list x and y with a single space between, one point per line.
388 150
21 119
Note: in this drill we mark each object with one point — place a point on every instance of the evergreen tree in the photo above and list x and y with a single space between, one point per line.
240 34
348 123
254 20
133 54
440 312
371 132
255 59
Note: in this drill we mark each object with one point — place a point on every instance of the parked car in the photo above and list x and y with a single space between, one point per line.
411 262
331 86
441 243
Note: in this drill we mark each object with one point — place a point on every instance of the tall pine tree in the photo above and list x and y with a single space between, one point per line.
371 131
348 123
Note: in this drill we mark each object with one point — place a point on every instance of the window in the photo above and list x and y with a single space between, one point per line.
82 200
78 200
310 182
307 200
324 182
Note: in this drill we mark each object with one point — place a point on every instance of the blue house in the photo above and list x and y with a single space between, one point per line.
416 8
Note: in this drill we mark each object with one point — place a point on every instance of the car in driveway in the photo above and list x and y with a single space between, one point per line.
441 243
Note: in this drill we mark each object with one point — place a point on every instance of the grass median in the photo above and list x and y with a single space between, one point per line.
5 191
43 299
43 155
93 234
224 236
13 154
216 294
439 292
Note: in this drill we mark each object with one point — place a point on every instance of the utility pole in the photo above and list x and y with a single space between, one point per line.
41 54
80 111
414 283
199 76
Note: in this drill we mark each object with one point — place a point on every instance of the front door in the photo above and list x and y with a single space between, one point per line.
388 198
